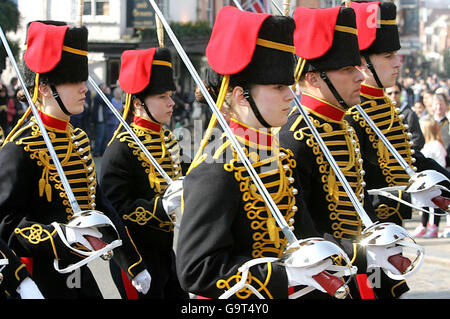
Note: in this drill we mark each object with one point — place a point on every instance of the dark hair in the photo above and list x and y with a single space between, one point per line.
399 85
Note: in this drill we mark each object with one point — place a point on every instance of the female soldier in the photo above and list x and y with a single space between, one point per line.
226 222
129 179
33 196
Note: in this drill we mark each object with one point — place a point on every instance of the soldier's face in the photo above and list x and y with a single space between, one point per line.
273 102
386 65
347 82
160 106
73 96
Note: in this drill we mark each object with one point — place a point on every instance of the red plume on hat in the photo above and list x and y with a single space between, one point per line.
377 26
326 38
366 22
314 34
233 40
44 46
135 70
56 53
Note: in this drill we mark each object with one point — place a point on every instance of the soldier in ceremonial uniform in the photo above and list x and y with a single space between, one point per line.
226 222
32 194
14 276
326 40
378 44
136 189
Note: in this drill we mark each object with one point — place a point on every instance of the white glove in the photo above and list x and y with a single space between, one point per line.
424 198
76 235
29 290
142 281
172 196
377 256
303 275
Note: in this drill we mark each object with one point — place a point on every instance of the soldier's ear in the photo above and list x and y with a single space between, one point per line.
44 90
312 79
238 96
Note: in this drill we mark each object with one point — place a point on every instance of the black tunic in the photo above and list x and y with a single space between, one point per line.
331 208
226 222
32 197
135 189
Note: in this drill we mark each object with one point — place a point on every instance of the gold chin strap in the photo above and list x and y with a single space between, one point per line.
212 121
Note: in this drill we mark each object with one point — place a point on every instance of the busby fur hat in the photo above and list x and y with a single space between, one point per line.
386 38
326 38
146 72
161 79
252 48
57 51
269 66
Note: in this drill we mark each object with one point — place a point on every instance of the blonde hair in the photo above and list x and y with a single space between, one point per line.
430 129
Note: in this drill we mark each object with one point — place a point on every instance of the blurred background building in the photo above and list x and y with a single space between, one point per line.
118 25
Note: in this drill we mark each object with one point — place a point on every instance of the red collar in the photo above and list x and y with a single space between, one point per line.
251 134
53 122
150 125
322 107
371 90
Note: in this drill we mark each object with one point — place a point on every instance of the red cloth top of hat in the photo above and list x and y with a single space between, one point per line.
314 32
233 39
366 22
44 46
135 70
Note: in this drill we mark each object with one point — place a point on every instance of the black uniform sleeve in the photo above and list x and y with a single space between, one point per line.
207 250
126 255
120 171
14 273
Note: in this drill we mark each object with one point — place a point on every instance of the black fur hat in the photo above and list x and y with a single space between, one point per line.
72 67
387 36
344 50
268 65
161 79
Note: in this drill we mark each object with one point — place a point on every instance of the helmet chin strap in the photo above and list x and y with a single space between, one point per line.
148 113
333 90
372 69
58 100
255 109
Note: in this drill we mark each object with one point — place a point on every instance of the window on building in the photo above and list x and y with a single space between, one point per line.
210 7
96 7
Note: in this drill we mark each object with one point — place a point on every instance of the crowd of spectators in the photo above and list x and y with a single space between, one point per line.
429 99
